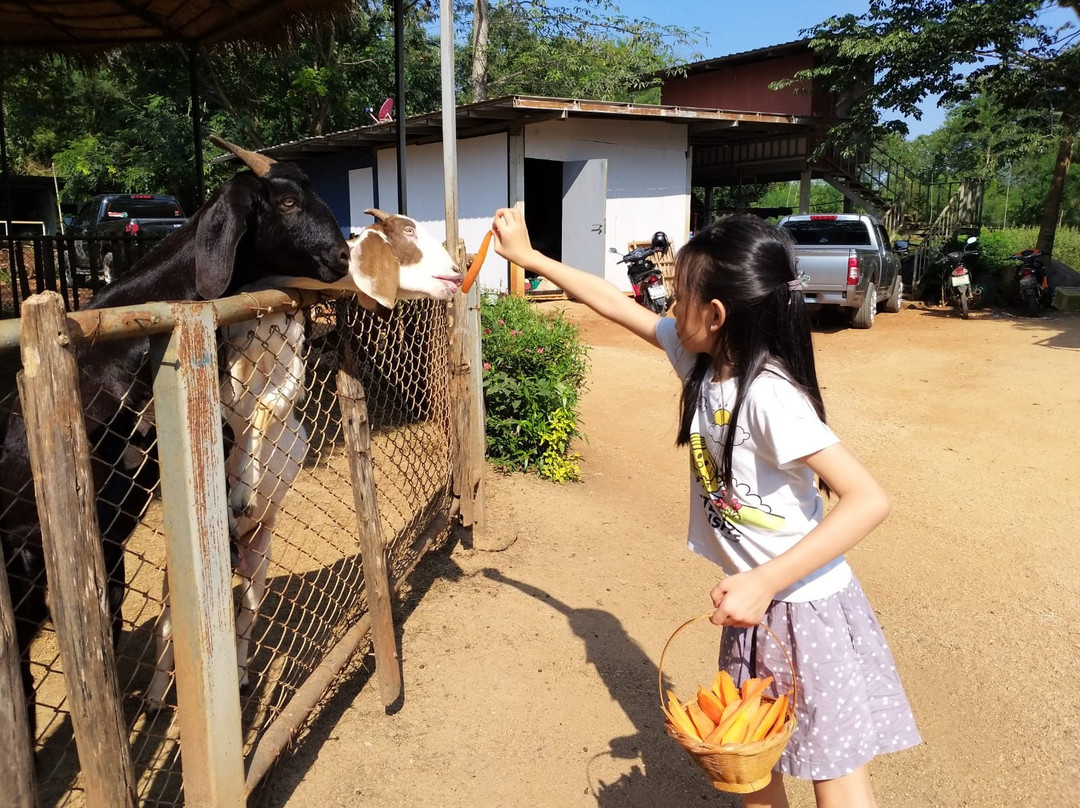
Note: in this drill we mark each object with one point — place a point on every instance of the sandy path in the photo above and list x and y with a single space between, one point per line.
531 665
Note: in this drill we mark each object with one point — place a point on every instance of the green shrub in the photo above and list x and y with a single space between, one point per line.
534 370
997 272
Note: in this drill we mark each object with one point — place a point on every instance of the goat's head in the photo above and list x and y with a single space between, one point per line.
274 220
395 259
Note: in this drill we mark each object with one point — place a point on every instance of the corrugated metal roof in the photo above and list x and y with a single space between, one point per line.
91 26
500 114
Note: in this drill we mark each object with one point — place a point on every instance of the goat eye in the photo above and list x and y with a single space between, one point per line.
288 202
410 231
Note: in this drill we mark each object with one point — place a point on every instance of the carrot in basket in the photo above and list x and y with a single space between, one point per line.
724 687
680 719
702 723
764 720
710 703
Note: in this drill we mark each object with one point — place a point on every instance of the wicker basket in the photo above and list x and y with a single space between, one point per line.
738 768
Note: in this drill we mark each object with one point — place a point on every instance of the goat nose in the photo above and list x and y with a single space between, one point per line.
343 256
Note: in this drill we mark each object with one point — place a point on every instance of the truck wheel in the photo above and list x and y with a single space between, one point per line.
864 315
892 302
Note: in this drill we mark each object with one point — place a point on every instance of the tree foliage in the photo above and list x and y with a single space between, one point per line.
585 49
902 51
123 123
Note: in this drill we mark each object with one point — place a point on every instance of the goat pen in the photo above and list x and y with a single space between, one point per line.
394 422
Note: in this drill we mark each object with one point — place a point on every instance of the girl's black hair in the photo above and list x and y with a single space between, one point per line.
748 265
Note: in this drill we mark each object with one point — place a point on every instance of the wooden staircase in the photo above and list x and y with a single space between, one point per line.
926 213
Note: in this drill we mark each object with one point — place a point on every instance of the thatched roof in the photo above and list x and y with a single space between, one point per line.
88 26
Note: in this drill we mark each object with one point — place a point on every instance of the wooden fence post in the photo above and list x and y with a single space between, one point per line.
17 762
467 403
190 448
357 428
64 487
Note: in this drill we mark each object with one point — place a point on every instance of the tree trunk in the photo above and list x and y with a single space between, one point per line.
1048 227
481 11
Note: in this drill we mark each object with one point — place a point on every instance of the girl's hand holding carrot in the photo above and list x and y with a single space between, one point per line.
511 237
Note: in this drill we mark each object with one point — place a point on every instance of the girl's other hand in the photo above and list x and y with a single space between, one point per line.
740 600
511 236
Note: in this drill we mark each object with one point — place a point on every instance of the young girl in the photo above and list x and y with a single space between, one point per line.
753 418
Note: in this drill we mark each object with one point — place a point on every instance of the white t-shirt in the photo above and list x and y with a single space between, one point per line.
776 501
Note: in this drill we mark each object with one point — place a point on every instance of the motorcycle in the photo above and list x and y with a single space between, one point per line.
956 288
646 278
1031 275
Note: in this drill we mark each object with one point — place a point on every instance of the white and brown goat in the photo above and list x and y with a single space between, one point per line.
264 381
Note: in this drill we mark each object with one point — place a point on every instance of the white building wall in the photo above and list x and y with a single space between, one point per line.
647 177
648 185
482 182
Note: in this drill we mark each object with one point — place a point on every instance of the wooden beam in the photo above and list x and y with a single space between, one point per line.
64 488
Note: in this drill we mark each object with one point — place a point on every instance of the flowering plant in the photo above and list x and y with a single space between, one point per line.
534 371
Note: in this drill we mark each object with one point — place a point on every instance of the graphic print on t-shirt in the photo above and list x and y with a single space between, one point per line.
727 511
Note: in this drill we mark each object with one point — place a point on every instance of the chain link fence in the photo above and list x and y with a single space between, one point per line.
314 589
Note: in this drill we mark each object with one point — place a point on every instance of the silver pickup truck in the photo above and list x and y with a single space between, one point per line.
846 260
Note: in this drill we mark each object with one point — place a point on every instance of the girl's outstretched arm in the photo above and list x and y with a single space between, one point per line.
511 241
861 505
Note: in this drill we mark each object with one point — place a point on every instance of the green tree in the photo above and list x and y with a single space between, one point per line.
577 50
902 51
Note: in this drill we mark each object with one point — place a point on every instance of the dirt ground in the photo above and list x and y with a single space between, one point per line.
530 650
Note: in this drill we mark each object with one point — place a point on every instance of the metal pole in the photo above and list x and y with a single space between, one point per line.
449 122
196 122
399 93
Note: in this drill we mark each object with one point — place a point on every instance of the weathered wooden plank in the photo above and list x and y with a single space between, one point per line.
467 407
357 429
17 762
190 449
60 460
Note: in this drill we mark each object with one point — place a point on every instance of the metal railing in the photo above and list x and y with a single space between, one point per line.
73 266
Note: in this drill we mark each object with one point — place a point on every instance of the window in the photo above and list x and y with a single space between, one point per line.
825 231
143 209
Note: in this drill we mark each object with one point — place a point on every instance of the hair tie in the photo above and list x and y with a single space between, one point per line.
795 284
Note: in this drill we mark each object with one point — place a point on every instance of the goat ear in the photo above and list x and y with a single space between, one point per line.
221 225
374 267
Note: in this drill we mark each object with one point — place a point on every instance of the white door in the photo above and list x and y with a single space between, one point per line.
584 211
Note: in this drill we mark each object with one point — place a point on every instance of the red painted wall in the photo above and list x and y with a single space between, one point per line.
746 87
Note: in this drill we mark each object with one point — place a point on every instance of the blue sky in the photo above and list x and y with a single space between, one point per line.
732 26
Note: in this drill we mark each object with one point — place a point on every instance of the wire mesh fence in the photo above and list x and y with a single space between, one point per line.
293 518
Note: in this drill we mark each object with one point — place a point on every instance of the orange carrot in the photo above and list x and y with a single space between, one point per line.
474 267
781 717
764 720
711 704
702 723
725 688
680 719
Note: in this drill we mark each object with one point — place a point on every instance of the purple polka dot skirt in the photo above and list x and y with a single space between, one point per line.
850 704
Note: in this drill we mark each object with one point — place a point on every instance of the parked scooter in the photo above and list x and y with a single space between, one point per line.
1031 275
956 289
646 278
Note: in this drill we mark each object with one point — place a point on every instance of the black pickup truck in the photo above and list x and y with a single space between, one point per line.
112 231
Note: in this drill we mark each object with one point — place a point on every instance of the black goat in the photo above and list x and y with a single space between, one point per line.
266 222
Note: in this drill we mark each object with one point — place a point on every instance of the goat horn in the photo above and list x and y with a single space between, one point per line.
381 215
259 163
